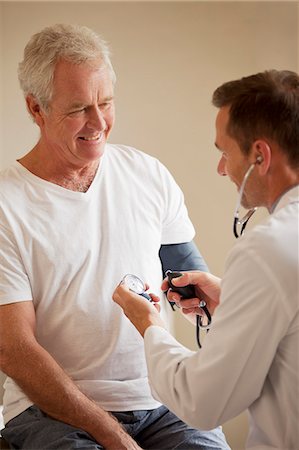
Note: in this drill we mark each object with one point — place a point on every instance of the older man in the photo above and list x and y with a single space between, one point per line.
76 215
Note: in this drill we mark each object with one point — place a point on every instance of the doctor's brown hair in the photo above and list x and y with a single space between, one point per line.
263 106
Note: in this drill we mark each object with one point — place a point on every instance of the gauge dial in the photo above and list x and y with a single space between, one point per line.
134 283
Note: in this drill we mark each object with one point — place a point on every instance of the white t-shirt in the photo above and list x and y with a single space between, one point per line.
250 357
66 251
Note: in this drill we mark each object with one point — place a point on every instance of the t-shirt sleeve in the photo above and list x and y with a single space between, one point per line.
14 283
177 226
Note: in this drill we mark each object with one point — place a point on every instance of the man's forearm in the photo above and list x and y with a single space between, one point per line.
55 393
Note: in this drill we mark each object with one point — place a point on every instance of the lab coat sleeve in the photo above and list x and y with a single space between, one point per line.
209 387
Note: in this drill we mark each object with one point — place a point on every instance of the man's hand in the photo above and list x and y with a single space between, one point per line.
139 311
207 288
122 441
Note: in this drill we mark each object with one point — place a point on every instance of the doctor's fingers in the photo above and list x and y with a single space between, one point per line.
122 295
183 303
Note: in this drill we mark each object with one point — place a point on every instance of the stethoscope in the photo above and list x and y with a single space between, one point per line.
243 222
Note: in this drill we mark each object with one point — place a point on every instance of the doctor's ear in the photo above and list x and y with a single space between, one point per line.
263 155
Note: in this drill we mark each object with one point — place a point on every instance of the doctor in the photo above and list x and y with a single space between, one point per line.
250 357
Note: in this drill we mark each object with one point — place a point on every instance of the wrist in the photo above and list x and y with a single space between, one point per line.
146 322
110 434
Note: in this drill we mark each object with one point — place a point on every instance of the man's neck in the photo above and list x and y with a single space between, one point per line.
74 178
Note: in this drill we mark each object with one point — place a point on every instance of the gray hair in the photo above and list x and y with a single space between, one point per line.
74 43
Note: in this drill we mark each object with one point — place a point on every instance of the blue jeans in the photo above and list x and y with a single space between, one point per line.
157 429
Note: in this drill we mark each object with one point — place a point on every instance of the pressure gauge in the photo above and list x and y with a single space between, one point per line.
136 285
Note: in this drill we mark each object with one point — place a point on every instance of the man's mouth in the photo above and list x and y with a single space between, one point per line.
96 137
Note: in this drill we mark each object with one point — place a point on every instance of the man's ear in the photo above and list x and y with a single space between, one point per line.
263 154
35 110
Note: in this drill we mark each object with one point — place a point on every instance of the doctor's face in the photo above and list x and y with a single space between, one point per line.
233 162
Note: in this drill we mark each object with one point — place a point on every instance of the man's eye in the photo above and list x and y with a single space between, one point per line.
78 111
104 106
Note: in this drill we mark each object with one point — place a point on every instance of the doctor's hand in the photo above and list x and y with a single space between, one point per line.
207 288
140 311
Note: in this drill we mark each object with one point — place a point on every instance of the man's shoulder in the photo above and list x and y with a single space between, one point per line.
8 175
127 152
6 171
272 242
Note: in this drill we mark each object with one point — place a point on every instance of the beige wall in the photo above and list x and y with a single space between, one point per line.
169 57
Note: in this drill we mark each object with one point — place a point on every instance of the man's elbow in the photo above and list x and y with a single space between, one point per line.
199 418
192 412
4 358
11 359
206 424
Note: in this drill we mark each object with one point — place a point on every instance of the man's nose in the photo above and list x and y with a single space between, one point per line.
221 168
96 119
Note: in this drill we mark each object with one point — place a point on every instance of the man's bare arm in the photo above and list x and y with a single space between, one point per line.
46 383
